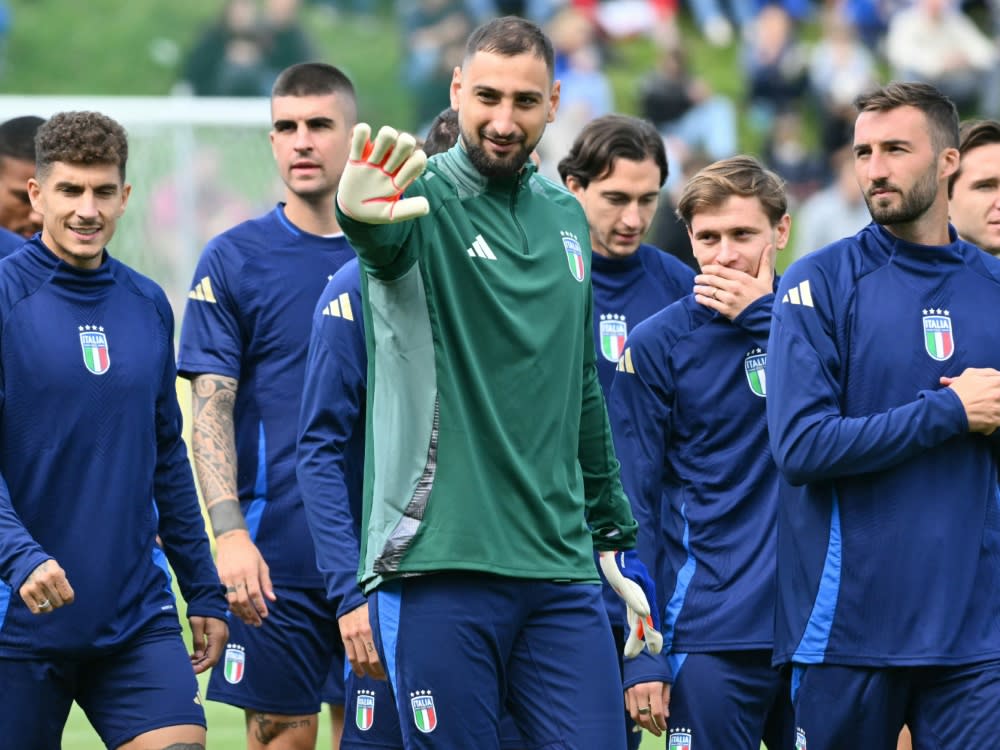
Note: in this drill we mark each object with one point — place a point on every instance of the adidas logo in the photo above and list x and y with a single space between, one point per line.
799 295
481 249
340 307
625 362
203 291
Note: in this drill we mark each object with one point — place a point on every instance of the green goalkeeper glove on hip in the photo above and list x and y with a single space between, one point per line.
376 175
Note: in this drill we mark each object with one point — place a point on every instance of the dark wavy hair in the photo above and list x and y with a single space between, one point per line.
592 156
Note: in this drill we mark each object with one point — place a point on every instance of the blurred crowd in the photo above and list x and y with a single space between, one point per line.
801 64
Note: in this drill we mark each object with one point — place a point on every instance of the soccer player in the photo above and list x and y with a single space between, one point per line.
616 169
93 467
18 219
974 190
883 401
243 345
330 471
687 412
490 474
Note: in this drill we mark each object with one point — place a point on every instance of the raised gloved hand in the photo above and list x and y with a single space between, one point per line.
631 581
377 174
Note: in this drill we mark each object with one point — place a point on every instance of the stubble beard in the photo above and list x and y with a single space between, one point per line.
912 205
492 167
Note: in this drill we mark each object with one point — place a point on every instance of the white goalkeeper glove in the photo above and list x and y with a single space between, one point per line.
377 174
629 578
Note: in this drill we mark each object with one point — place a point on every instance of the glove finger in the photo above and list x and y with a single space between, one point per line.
633 643
634 597
633 646
409 208
411 170
654 640
384 141
404 146
359 139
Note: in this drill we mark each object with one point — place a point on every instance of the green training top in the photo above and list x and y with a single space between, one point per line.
488 446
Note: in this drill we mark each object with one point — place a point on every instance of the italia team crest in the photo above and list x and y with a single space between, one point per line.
613 331
364 717
680 740
800 739
939 338
94 343
235 663
753 365
574 254
424 713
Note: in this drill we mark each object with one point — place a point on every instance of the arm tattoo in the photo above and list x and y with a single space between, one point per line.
213 441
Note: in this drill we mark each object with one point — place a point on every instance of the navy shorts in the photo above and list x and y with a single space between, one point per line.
460 648
753 697
371 719
837 708
144 685
282 666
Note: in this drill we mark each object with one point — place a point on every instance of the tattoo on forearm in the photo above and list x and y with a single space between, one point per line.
213 442
268 728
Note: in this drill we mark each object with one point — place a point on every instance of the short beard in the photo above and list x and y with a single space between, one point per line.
491 168
912 205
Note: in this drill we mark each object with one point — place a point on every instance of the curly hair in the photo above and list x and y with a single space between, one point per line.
80 138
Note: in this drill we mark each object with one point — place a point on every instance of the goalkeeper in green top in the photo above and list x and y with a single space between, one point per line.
490 474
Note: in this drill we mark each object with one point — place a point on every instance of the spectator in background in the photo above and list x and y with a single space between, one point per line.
788 152
774 62
538 11
840 68
934 41
617 19
870 18
686 111
585 91
18 218
434 40
286 41
717 23
835 211
230 57
974 190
